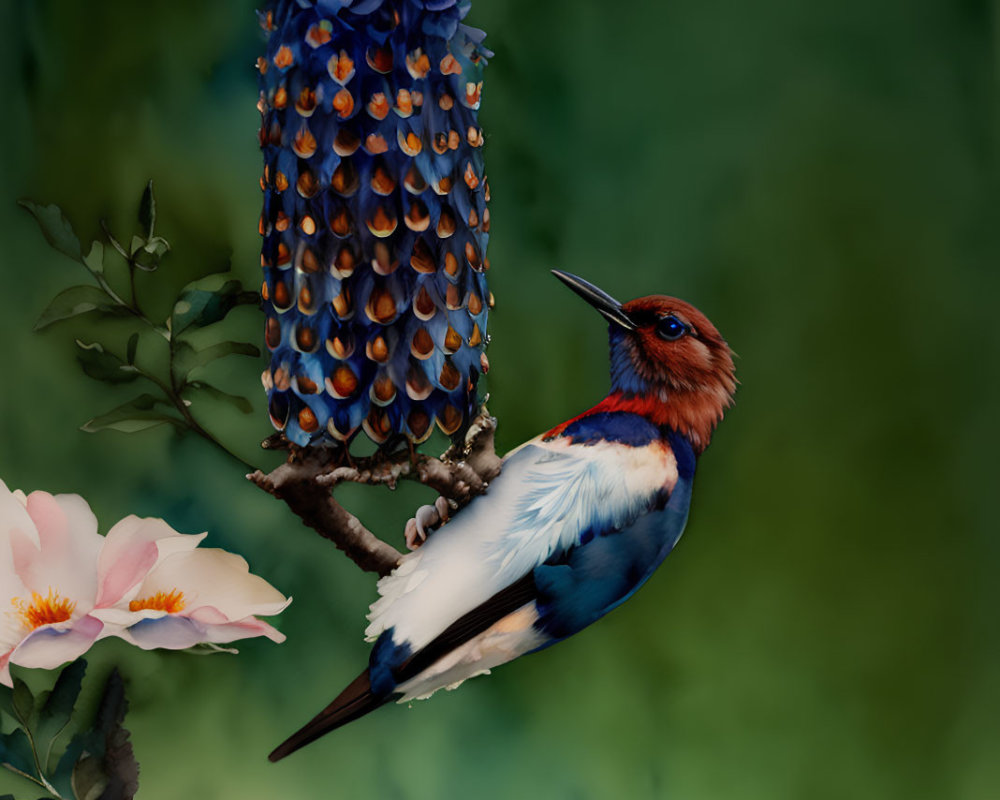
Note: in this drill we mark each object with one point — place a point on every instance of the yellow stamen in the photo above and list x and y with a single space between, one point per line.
43 610
171 602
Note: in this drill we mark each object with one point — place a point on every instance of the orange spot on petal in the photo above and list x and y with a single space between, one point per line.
341 67
343 103
376 144
450 65
319 34
418 64
404 103
471 179
284 58
378 106
305 143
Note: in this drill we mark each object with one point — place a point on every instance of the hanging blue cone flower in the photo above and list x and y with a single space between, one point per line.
375 219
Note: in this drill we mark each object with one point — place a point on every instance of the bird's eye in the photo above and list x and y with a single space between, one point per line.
671 328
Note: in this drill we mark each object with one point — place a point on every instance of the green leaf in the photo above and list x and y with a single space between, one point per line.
62 777
55 227
94 260
156 245
239 402
208 300
57 708
138 242
24 702
147 210
131 347
153 249
15 752
108 763
104 366
89 781
188 358
77 300
138 414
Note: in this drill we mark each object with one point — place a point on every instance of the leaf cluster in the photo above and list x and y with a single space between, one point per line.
199 304
94 763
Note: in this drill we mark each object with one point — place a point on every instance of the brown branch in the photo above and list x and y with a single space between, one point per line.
294 482
305 482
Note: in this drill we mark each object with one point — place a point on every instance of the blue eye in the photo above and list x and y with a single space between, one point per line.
671 328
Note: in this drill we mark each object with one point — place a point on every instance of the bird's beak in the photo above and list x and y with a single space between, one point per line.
608 307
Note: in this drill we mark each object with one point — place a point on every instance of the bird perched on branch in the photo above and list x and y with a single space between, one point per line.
576 522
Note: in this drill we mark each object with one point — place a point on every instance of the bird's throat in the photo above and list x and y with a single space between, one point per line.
693 415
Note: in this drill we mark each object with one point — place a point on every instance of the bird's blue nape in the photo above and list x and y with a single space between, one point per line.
612 426
624 377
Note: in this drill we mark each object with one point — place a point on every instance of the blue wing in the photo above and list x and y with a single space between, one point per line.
549 497
593 578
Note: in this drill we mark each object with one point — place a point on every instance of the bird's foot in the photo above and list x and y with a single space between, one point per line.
427 518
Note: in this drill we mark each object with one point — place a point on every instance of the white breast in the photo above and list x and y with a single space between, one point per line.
547 495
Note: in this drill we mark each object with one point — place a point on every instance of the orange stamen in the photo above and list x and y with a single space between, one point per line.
171 602
44 610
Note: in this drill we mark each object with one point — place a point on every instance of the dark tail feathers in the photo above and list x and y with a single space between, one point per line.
354 702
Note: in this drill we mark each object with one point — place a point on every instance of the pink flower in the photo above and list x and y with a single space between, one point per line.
63 586
46 590
175 596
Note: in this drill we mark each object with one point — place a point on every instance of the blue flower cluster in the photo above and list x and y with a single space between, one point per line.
375 220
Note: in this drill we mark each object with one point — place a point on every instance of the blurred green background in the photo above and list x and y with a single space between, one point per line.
819 178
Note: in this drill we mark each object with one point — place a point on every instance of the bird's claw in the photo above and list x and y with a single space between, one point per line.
426 519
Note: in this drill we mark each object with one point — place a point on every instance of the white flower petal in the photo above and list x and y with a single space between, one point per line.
215 578
13 516
51 645
243 629
131 549
176 632
5 678
172 632
66 557
80 517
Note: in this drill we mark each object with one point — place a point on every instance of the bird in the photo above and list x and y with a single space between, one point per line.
578 519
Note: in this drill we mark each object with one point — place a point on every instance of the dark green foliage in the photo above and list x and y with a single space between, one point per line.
138 414
96 762
207 301
55 227
104 366
200 304
99 763
78 300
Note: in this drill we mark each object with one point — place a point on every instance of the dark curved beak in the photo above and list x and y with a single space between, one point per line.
608 307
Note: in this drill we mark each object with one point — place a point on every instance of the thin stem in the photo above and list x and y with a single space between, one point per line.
38 766
43 783
192 424
131 284
133 306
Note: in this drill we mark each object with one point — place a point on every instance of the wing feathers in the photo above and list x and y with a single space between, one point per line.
547 497
469 626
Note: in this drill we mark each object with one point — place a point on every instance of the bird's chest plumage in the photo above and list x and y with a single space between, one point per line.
573 502
608 565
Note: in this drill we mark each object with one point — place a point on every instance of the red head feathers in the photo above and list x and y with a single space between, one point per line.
668 362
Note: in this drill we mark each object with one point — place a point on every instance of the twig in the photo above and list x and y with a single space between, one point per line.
306 480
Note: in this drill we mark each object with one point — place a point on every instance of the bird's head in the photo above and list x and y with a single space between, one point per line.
668 361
